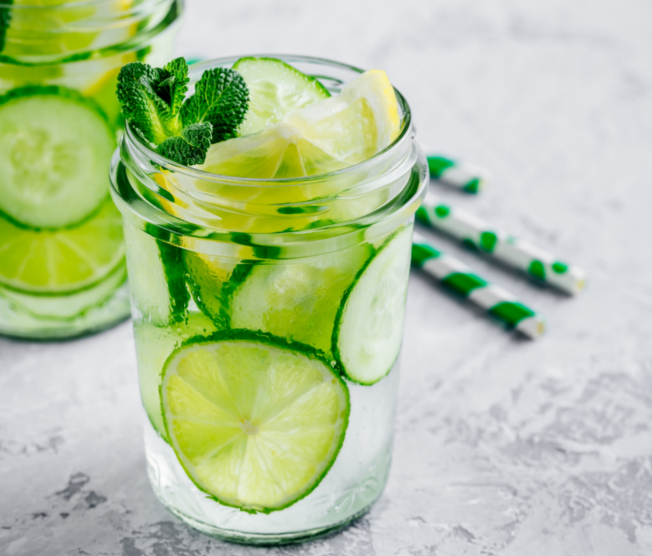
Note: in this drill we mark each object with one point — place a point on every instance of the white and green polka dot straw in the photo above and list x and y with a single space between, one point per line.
457 174
511 251
458 277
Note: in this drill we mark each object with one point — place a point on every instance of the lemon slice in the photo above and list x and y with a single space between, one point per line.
256 423
326 136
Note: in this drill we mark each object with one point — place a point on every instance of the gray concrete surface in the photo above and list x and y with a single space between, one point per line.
503 447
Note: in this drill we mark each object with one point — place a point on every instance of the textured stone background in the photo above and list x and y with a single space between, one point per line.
504 447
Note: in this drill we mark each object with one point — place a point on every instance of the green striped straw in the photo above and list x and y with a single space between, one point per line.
458 174
500 245
458 277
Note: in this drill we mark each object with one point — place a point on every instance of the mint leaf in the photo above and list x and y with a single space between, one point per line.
174 87
153 101
140 106
151 98
190 146
221 98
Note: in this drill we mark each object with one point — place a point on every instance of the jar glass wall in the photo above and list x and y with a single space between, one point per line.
268 318
62 263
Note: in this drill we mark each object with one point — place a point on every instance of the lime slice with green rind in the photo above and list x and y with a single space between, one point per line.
255 422
275 88
297 301
71 306
54 149
64 260
154 344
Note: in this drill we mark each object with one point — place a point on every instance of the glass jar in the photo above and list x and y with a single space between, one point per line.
268 317
62 263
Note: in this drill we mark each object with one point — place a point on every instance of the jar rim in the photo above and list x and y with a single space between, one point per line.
405 133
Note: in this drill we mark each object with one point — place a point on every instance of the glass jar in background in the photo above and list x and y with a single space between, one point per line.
62 263
268 318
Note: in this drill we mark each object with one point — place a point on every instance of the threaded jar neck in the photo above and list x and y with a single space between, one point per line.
190 202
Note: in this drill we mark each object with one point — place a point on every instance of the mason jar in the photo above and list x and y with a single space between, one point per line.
268 319
62 262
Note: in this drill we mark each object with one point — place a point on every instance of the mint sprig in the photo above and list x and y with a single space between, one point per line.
182 129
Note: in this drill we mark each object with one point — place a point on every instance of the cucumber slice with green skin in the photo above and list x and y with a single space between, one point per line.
255 422
55 146
275 88
297 301
156 277
154 344
369 325
211 282
62 261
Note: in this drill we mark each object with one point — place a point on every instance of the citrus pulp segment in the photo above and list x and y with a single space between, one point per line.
64 260
275 88
254 421
369 326
54 148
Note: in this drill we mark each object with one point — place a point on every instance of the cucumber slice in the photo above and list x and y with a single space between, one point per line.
275 88
256 423
369 326
55 146
156 277
61 261
211 281
297 301
154 344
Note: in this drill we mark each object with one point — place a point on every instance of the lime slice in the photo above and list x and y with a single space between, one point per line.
254 422
275 88
71 306
154 344
297 301
64 260
326 136
54 149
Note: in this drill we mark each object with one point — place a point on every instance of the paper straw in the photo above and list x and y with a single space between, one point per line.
458 174
458 277
500 245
